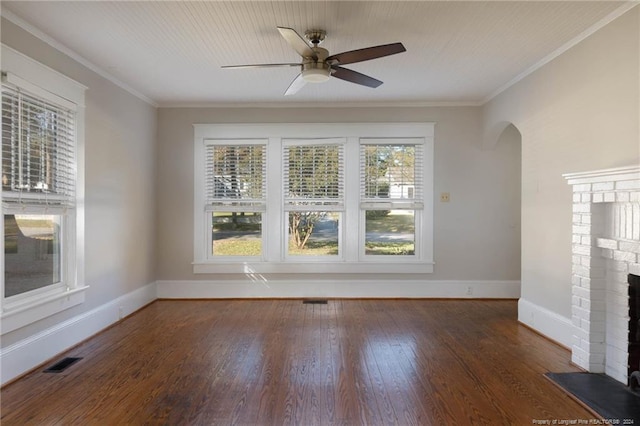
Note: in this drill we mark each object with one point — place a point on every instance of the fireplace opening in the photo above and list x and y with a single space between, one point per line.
633 364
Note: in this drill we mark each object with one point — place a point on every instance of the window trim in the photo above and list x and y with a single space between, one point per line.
246 205
20 310
393 203
335 205
273 260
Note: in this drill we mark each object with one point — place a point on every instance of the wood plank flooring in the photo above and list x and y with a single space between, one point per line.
277 362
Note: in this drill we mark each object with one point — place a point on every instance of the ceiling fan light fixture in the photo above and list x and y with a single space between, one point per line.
316 75
318 66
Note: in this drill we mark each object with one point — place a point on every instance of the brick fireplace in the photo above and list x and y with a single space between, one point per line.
605 249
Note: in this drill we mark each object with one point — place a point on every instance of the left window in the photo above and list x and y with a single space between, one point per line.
235 188
42 259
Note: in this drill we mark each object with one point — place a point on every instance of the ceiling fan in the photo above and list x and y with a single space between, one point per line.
317 65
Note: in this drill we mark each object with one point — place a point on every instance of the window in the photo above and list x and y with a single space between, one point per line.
313 176
298 198
391 187
40 132
235 178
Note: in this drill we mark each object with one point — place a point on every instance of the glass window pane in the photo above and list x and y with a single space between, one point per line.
390 171
31 252
237 172
236 233
313 172
390 232
313 233
37 145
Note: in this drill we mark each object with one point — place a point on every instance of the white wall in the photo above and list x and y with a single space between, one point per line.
477 235
139 201
120 144
579 112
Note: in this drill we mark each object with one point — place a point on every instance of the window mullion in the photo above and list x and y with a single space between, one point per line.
351 218
274 228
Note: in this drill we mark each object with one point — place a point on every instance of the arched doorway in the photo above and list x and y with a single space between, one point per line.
510 140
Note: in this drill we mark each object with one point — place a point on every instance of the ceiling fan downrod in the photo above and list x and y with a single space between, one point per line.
315 37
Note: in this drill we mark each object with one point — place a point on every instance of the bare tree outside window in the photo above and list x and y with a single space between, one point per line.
313 178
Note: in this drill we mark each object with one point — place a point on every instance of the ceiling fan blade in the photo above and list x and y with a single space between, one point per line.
366 54
297 84
297 42
354 77
261 65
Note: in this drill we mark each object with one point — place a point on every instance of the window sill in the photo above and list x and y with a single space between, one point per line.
15 316
397 267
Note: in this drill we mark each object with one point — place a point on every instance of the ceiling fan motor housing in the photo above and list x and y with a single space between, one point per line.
317 70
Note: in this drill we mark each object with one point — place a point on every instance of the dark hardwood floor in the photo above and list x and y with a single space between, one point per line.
274 362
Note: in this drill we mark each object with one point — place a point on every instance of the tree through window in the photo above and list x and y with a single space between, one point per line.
314 191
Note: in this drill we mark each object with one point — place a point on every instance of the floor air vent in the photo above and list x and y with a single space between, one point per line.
315 301
62 365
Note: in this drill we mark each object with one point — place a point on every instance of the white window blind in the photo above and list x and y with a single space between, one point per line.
235 175
38 150
392 173
313 174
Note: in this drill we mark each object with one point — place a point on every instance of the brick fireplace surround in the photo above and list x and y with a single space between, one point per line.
606 247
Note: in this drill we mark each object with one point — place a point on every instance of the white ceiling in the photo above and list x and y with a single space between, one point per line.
171 52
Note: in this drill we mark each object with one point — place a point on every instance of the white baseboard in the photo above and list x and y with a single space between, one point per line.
261 288
554 326
28 353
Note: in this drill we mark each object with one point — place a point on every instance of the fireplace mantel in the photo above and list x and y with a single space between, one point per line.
604 175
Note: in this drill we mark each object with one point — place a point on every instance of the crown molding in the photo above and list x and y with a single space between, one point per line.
12 17
363 104
627 6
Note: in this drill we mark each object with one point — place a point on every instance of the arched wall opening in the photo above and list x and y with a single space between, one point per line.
510 139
